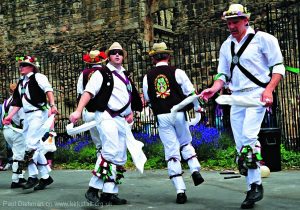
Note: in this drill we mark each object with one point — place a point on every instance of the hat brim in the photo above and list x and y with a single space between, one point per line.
35 66
235 16
151 53
124 52
102 61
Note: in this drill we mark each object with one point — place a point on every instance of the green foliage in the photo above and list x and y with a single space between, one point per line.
289 159
216 150
217 155
222 159
87 154
67 158
226 140
63 155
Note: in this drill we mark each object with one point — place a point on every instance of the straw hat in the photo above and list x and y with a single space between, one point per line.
159 48
116 46
94 57
29 60
236 10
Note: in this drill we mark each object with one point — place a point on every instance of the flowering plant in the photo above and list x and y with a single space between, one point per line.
95 56
204 135
76 143
26 58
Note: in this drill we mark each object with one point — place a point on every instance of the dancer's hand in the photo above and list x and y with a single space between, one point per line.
75 116
6 120
207 94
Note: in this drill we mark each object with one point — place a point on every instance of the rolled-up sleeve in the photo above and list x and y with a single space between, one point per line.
224 66
185 83
43 82
94 84
79 84
271 49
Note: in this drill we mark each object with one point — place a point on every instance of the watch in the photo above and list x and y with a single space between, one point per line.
51 105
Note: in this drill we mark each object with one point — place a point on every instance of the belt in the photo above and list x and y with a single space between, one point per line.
115 113
32 110
246 89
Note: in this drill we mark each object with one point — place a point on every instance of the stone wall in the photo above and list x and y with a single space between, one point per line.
66 26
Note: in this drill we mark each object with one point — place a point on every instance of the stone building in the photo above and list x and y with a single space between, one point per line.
67 26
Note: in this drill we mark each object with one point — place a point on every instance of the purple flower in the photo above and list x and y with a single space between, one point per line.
77 143
204 135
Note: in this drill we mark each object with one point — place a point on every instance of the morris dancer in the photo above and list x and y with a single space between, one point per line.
114 97
93 59
15 140
165 86
31 94
252 64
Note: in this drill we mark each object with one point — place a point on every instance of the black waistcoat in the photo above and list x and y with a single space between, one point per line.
37 95
100 101
163 90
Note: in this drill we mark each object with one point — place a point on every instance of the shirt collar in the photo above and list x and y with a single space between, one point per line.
162 64
112 68
96 66
27 75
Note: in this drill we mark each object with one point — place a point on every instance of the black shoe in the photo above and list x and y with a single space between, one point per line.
253 195
181 198
247 203
31 182
111 199
256 192
18 184
197 178
92 196
43 183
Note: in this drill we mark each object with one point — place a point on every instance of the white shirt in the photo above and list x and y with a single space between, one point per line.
43 83
80 81
119 97
180 77
262 53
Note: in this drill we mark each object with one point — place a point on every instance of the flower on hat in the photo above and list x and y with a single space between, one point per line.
28 59
236 10
94 57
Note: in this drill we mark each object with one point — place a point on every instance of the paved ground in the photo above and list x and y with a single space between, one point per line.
153 190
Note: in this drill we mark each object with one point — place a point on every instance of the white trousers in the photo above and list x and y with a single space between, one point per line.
17 143
174 133
245 124
113 135
87 117
32 123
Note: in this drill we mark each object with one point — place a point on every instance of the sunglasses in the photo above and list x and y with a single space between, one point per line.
114 52
24 65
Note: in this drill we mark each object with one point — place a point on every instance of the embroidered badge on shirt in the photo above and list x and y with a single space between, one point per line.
162 86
